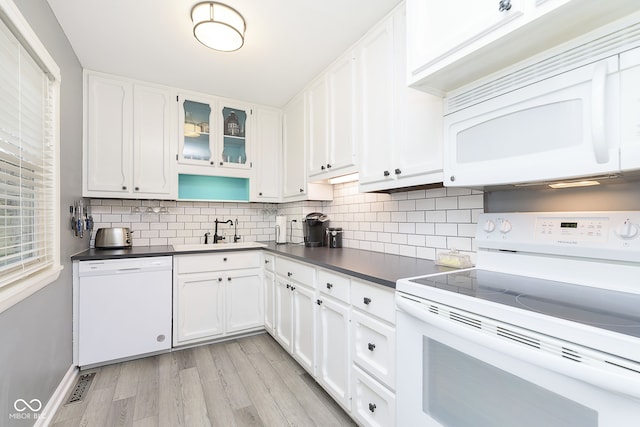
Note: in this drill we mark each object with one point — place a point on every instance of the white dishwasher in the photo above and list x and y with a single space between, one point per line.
124 308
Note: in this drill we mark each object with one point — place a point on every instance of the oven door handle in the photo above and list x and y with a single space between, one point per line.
628 384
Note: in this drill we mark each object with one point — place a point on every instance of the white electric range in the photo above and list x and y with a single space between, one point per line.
545 330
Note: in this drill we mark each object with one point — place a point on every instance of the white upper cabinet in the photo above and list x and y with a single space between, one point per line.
215 136
127 143
266 184
400 128
453 44
331 113
295 186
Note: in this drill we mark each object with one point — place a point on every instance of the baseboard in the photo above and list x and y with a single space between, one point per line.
46 416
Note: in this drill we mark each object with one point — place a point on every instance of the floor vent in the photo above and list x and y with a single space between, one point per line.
81 389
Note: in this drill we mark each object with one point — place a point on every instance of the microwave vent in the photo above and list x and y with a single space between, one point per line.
590 52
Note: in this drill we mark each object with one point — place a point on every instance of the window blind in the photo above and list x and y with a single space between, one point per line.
27 163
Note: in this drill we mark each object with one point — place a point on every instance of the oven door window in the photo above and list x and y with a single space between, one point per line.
458 388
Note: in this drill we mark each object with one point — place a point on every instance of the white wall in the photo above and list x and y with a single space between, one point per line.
415 223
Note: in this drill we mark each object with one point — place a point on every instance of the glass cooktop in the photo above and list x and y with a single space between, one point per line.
612 310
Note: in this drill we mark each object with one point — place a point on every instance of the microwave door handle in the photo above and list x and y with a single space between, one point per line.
598 92
628 385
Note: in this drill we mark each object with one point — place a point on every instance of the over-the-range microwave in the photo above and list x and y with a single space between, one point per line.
573 114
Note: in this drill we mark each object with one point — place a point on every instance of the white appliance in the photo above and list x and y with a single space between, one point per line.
545 330
123 308
566 115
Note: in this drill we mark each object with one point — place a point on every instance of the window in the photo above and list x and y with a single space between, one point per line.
29 190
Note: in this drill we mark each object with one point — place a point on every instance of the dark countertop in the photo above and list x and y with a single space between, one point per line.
375 267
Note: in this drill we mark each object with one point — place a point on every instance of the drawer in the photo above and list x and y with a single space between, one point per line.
201 263
373 299
269 262
372 404
292 270
334 284
374 347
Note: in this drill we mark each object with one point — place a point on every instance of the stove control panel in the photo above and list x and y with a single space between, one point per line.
609 235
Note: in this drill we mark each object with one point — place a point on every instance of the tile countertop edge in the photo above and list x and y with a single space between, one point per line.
376 267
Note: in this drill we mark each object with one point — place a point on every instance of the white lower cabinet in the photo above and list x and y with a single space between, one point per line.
333 348
374 347
269 293
216 295
295 321
373 404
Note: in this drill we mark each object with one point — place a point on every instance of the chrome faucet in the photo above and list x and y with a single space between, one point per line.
217 238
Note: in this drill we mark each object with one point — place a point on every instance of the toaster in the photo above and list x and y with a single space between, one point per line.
110 238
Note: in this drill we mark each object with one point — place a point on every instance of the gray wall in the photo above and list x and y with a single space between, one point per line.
36 334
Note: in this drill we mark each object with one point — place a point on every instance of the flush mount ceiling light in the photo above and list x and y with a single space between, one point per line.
218 26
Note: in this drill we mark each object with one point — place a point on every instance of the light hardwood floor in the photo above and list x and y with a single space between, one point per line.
250 381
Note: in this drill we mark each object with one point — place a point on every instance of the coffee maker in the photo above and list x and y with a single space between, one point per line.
315 229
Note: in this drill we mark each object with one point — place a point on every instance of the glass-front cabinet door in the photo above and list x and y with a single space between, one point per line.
215 133
235 125
196 144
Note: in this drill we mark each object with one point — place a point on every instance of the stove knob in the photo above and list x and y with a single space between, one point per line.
627 230
489 226
505 226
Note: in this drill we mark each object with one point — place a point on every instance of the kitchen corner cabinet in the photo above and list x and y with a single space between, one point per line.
216 296
295 186
400 127
331 121
450 47
215 136
266 183
295 311
127 139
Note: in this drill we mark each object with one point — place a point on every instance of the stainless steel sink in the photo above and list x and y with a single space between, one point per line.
217 246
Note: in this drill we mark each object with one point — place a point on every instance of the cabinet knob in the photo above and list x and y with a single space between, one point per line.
260 194
124 187
371 346
221 163
211 162
288 286
219 279
266 261
302 190
319 302
398 171
386 173
228 279
367 301
452 178
224 259
328 165
372 407
329 285
322 168
293 288
137 188
289 274
504 5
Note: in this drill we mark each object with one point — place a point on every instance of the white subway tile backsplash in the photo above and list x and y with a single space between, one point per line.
417 223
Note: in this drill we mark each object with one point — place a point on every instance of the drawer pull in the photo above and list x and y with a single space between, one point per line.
329 285
289 274
367 301
371 346
319 302
372 407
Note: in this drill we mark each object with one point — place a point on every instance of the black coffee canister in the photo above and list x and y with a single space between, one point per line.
334 237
